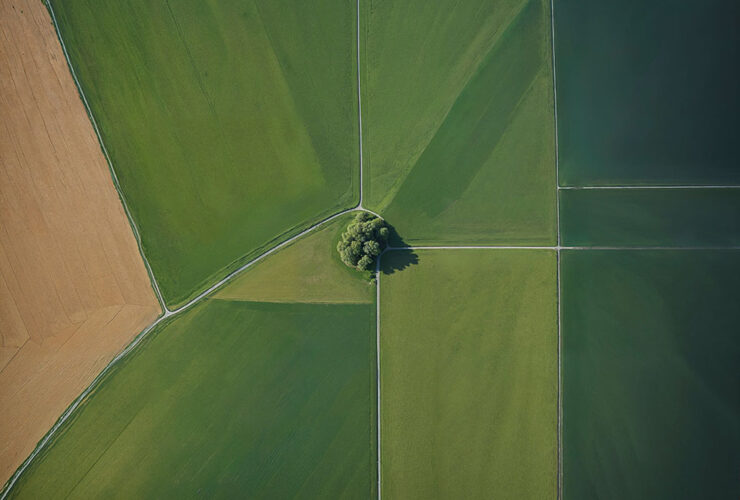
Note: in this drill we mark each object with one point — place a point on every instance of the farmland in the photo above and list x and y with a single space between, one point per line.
231 398
555 317
651 217
646 92
73 288
230 124
468 384
650 356
458 120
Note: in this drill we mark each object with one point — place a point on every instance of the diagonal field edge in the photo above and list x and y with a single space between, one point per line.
116 184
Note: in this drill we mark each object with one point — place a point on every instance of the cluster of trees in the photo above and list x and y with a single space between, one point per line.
363 241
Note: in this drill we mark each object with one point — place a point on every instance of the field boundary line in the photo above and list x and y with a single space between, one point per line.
377 358
116 183
648 248
472 247
559 248
657 186
559 431
359 110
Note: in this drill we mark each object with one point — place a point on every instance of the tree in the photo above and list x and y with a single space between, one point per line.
363 240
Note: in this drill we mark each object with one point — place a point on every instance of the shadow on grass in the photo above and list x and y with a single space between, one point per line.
397 259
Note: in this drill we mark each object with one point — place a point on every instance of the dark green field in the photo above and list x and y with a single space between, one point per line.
468 366
650 217
458 120
230 124
647 91
651 405
231 399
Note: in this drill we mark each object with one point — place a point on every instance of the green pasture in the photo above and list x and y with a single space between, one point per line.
651 408
650 217
230 124
458 126
469 380
647 92
308 270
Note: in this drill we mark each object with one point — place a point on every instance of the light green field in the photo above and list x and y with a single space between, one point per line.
232 398
230 124
458 125
304 272
469 375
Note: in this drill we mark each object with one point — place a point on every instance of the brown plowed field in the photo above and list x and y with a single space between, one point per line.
73 288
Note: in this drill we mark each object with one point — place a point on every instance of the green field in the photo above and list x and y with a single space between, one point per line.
233 398
651 406
650 217
647 92
308 270
458 127
230 124
468 366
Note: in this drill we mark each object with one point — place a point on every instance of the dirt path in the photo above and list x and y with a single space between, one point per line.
73 288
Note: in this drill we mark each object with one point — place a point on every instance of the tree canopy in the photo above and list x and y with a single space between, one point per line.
362 242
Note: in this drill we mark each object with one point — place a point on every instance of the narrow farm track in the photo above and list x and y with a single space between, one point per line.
359 107
698 186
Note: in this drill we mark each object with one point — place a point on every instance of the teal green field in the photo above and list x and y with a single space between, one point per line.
458 126
647 92
233 398
651 407
468 367
231 125
650 217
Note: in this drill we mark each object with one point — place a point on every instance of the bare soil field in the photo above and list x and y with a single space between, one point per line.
73 288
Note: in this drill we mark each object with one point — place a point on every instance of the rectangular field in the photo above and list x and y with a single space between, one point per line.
647 92
230 124
458 126
468 364
650 217
651 407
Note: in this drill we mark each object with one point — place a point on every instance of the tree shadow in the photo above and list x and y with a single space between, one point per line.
397 258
